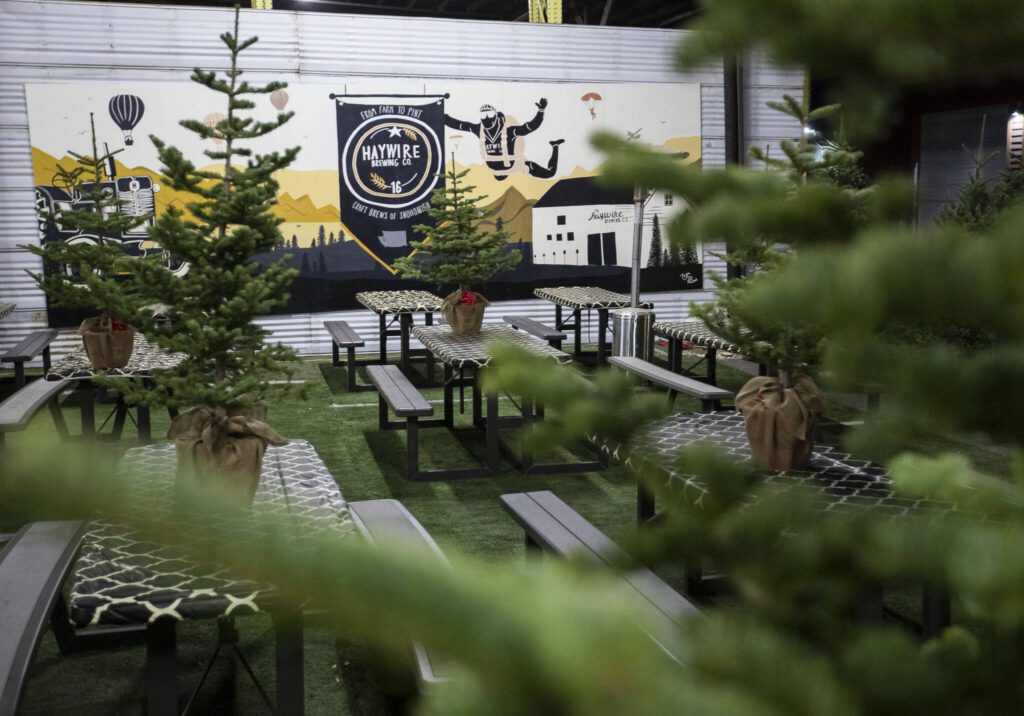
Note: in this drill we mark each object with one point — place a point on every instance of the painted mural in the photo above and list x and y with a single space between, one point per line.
374 149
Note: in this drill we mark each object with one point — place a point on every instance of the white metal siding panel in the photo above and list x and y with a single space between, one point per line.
53 41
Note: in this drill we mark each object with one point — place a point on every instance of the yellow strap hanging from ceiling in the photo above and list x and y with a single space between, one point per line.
262 4
549 11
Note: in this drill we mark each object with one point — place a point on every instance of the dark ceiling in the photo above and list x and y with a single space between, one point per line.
619 13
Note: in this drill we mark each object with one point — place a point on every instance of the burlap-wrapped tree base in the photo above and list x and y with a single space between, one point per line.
782 423
464 318
222 452
106 347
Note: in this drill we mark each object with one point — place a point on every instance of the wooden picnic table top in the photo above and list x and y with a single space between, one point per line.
474 350
147 358
586 297
694 332
385 302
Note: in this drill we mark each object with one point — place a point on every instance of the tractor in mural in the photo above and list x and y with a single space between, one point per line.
137 197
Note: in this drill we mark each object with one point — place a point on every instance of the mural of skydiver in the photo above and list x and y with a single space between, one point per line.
501 142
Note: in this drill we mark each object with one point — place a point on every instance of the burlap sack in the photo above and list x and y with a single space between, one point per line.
224 452
463 318
105 347
782 423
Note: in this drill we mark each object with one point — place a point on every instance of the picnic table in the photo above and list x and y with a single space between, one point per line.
464 358
580 298
7 309
147 359
122 578
845 482
676 333
402 306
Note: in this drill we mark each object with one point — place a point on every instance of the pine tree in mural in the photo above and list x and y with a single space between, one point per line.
654 258
305 268
212 307
321 236
330 239
321 264
295 241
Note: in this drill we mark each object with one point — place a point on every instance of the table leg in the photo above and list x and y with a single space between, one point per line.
428 320
383 338
404 323
644 504
602 329
711 359
449 396
578 334
477 404
493 437
121 412
87 408
290 668
525 456
161 668
145 427
935 613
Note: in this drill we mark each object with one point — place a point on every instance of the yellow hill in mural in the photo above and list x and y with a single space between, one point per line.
691 145
515 213
303 209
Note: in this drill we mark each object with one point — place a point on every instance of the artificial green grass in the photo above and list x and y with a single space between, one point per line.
463 515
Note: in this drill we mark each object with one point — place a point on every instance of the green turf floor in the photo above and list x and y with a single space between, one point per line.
461 515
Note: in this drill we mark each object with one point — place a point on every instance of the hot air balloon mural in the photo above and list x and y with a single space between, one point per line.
126 110
212 120
591 99
279 98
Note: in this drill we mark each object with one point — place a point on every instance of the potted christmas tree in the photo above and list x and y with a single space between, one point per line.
456 250
782 414
87 270
210 309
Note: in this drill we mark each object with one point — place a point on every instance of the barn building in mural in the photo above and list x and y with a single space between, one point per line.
581 222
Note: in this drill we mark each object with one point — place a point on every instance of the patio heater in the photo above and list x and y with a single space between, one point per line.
633 327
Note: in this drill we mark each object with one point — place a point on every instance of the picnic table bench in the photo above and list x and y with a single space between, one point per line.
344 336
18 409
28 348
553 526
553 336
710 396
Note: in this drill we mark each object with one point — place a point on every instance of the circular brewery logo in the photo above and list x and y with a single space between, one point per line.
392 161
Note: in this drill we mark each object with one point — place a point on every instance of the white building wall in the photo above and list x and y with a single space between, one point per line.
58 41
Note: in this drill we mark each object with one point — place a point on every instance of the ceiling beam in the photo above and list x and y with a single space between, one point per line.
606 12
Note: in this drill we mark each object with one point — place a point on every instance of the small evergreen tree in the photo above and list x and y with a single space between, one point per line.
295 241
211 308
321 236
455 250
654 258
331 240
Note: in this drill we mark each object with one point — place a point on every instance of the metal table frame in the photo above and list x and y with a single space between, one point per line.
485 415
88 394
575 320
405 317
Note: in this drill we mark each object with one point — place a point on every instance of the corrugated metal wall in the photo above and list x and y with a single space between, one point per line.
67 41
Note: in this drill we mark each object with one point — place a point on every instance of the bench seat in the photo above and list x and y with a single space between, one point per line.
553 336
553 526
389 523
344 336
32 345
33 566
710 396
19 409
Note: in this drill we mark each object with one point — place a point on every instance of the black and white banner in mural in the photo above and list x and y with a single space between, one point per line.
390 160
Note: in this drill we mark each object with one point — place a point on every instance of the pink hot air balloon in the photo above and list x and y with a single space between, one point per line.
279 98
212 120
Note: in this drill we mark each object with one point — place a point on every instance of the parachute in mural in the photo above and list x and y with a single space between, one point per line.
591 99
126 110
279 98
